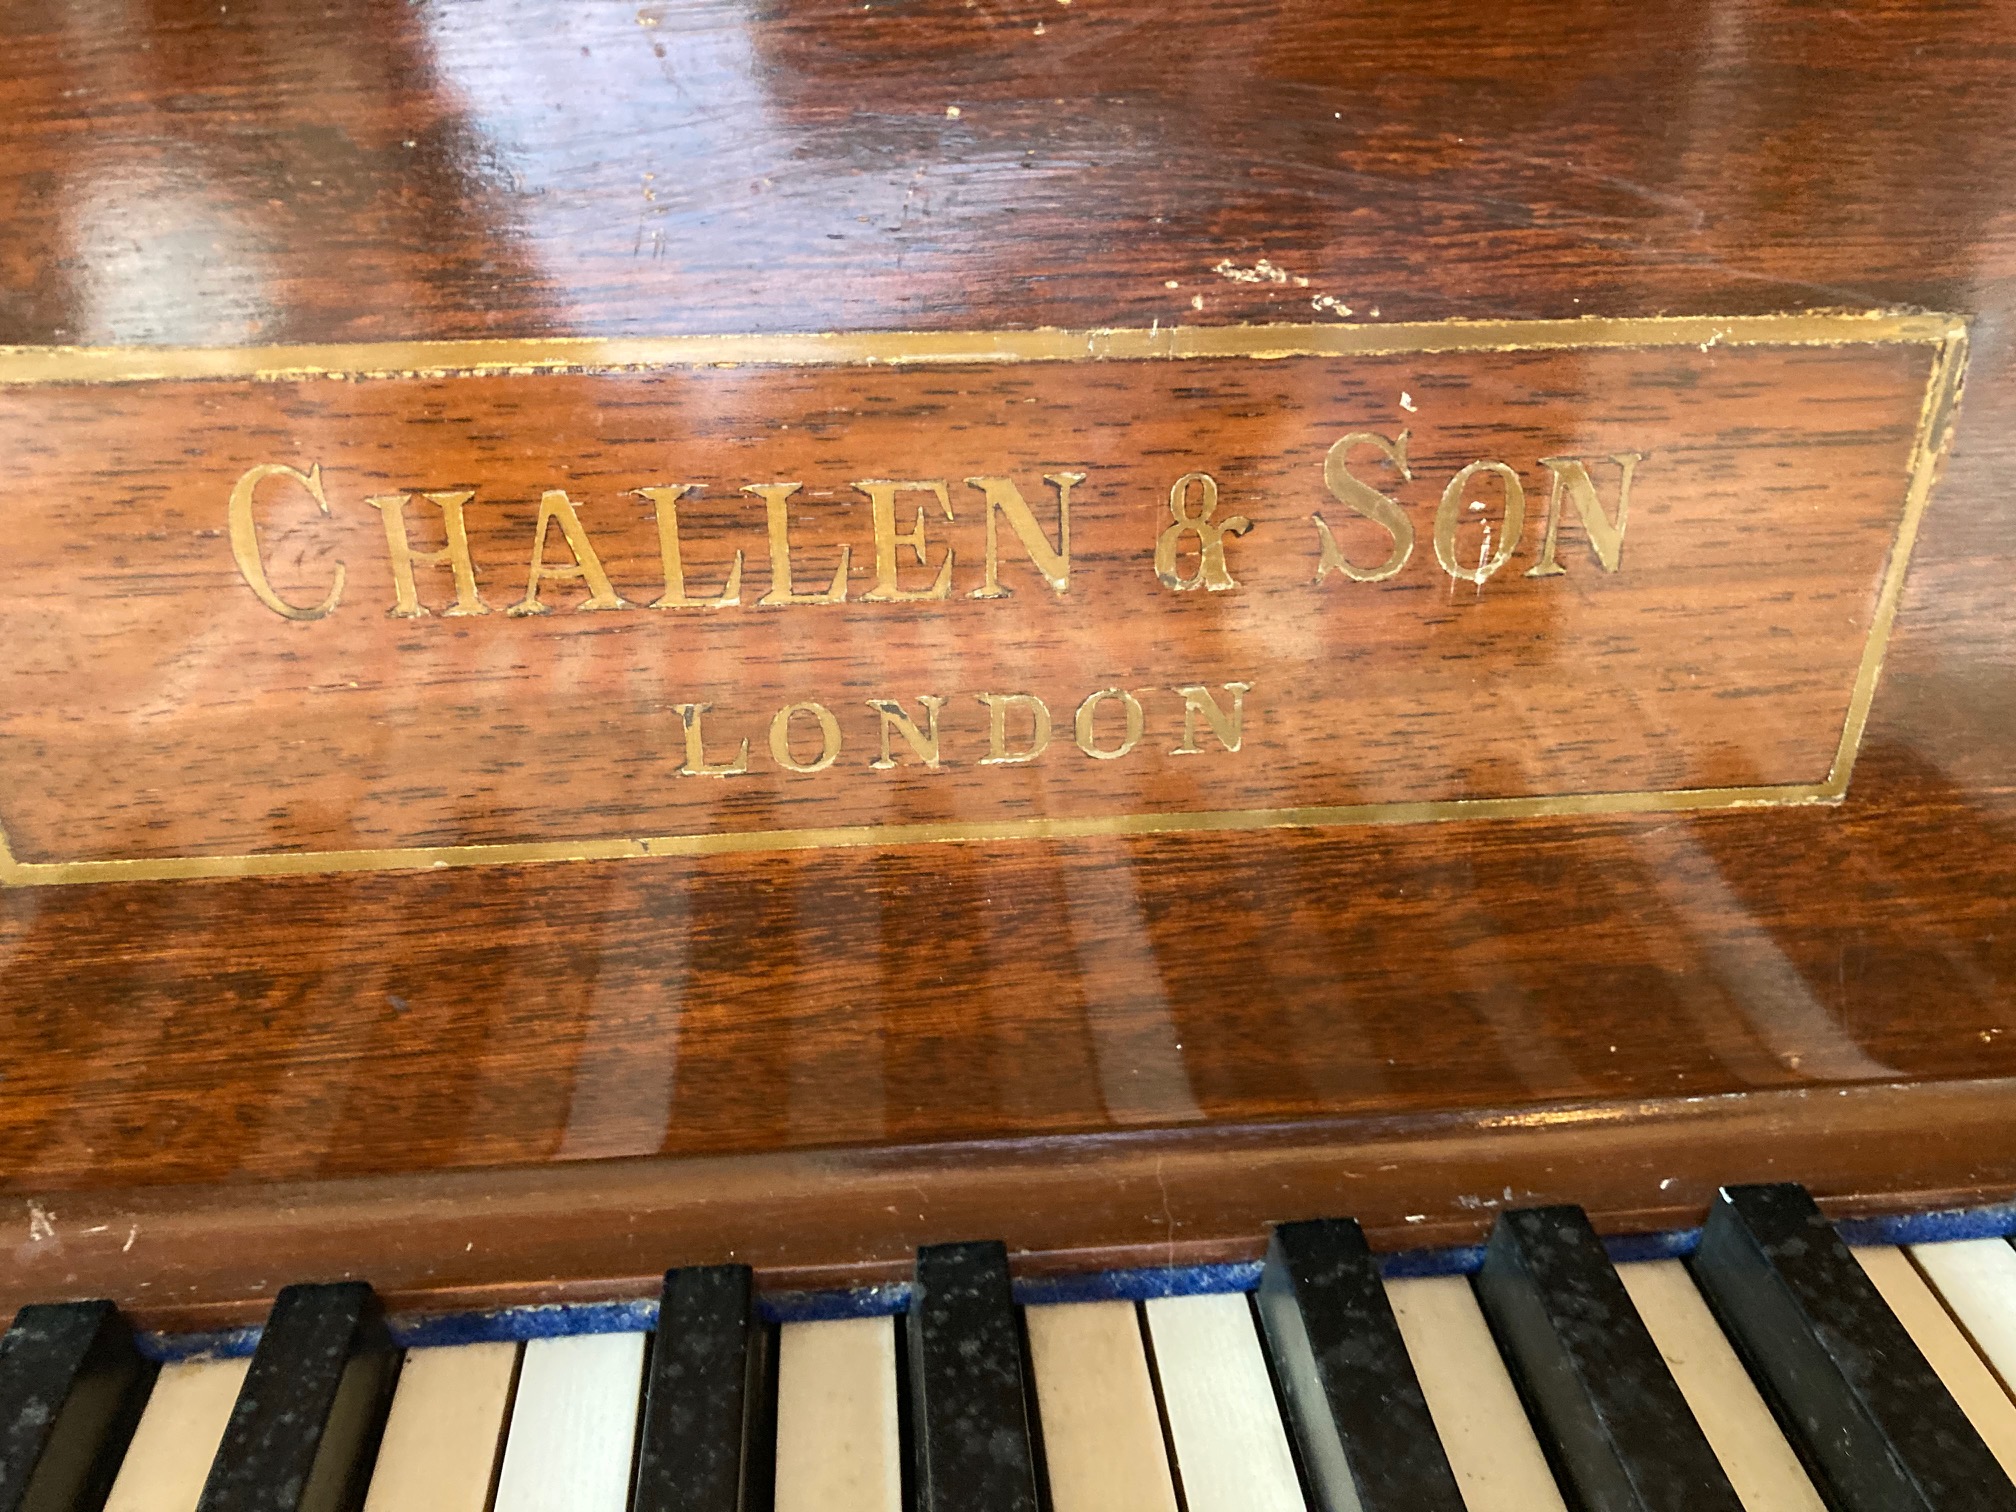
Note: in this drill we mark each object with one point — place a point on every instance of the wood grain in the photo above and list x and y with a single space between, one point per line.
267 1057
166 711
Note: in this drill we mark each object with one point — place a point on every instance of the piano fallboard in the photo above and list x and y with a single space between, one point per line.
1523 713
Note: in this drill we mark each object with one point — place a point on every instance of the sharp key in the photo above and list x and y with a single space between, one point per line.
1358 1412
1847 1379
966 1384
1621 1431
702 1447
71 1389
307 1419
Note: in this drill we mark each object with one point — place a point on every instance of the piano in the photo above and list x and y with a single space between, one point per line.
1045 755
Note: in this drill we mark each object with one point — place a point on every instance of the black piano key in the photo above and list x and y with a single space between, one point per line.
1618 1427
306 1422
970 1420
703 1445
1871 1415
71 1389
1357 1410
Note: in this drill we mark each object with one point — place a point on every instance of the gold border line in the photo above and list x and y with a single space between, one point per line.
47 365
44 365
1928 451
441 857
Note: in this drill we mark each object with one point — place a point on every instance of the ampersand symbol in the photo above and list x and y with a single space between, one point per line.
1193 516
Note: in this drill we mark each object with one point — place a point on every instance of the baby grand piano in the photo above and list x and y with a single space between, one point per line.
1003 755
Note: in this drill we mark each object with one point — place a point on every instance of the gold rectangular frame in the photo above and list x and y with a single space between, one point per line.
1947 334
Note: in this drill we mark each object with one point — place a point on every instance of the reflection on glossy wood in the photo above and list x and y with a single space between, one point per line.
367 172
374 732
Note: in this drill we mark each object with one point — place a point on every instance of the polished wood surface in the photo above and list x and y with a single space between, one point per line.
1819 992
1717 652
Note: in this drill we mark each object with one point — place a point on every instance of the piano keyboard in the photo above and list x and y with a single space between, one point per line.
1776 1370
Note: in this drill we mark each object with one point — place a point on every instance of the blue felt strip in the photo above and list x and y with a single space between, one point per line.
1997 1222
1140 1285
562 1319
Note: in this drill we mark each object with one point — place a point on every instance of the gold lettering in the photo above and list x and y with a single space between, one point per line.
665 508
1605 539
1228 727
1088 711
1450 515
1381 509
554 505
1004 496
998 705
882 509
923 742
773 496
829 738
454 556
696 763
1211 572
245 539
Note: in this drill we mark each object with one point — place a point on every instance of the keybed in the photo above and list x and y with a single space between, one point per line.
1553 1379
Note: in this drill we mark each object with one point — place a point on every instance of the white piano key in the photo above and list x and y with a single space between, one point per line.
1232 1453
1498 1461
1947 1350
1760 1464
838 1448
169 1457
573 1425
439 1452
1102 1434
1977 1279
